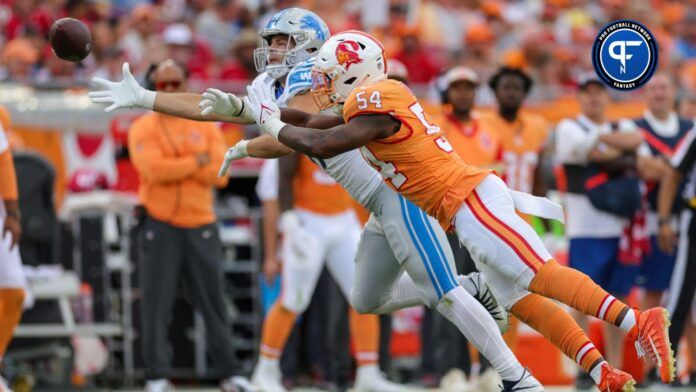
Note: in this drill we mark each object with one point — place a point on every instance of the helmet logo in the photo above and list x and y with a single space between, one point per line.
346 53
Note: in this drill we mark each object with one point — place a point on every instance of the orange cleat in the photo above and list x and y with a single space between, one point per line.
653 341
615 380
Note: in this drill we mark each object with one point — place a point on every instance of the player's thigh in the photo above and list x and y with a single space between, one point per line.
341 252
376 269
489 226
420 245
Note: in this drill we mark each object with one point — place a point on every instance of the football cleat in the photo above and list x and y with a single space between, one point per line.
615 380
526 383
368 378
652 341
475 285
267 377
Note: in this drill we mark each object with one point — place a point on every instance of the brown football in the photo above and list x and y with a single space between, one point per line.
70 39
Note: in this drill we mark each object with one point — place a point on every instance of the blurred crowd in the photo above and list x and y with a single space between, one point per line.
215 38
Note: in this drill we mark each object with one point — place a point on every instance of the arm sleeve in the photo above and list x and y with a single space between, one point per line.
573 143
208 174
685 156
148 159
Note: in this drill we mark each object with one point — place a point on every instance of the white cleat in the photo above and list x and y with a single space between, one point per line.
267 376
159 385
475 285
237 384
368 378
527 383
488 381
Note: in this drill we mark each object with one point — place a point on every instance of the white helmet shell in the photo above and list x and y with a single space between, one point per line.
347 60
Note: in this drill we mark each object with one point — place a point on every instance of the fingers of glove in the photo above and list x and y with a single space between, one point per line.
223 168
111 108
103 82
207 110
206 103
127 73
217 93
99 94
102 100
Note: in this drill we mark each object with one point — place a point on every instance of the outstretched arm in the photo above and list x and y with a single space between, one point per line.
129 94
338 139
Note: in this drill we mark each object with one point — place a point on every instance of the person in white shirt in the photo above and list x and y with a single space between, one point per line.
594 234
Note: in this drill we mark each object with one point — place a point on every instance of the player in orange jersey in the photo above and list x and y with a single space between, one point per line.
522 134
12 280
384 119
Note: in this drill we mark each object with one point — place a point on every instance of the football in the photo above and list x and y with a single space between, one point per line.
70 39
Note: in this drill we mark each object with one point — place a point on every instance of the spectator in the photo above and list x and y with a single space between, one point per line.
177 161
686 43
140 43
421 65
219 26
581 143
183 47
18 59
240 66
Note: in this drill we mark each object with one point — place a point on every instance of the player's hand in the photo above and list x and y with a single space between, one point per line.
124 94
224 104
666 238
270 268
238 151
264 109
13 227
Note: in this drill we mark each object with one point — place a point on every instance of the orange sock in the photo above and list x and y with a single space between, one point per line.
364 329
578 291
512 336
556 325
11 301
276 329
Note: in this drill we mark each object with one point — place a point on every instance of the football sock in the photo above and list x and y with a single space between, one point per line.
364 329
558 327
276 329
480 329
578 291
11 301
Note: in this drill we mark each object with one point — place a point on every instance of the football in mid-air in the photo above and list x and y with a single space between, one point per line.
70 39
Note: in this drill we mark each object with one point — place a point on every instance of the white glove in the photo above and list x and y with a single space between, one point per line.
225 104
124 94
264 109
238 151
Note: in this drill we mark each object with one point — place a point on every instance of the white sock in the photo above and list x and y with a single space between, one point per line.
472 319
266 362
403 294
596 372
629 321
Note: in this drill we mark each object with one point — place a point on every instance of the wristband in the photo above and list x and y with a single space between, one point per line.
663 221
242 148
147 99
12 214
273 127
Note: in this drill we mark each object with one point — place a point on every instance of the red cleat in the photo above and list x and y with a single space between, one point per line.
615 380
653 341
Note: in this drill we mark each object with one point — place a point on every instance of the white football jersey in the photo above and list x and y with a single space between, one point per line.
348 169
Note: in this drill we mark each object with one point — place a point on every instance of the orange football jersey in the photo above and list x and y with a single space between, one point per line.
476 143
522 142
417 161
316 191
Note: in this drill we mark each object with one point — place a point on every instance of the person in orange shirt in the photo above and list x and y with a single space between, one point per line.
523 135
177 161
12 280
474 140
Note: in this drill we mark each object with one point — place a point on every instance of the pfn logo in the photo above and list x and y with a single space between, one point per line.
621 55
624 55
